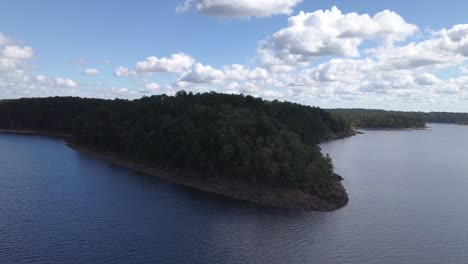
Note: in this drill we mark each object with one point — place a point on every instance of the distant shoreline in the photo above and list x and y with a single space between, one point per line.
260 194
34 132
394 129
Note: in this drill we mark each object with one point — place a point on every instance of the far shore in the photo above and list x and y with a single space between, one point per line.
394 129
271 196
34 132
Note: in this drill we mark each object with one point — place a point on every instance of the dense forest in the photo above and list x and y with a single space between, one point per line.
365 118
235 137
213 136
369 118
52 114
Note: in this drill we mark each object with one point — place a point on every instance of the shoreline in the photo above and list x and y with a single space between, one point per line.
259 194
394 129
334 137
34 132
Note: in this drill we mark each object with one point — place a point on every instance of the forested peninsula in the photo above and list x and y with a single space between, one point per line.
235 145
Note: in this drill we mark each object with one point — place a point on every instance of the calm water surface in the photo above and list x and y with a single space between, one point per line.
408 204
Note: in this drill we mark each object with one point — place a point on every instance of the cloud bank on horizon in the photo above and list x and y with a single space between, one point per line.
318 56
14 78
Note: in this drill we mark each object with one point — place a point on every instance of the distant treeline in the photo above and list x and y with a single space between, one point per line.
365 118
237 137
369 118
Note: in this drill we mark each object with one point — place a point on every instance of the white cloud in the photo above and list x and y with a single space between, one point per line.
177 63
202 74
413 55
152 86
8 64
454 39
6 40
17 52
90 71
445 48
427 79
464 69
18 83
345 70
16 80
239 8
205 74
56 82
124 72
358 78
240 72
389 73
330 32
118 92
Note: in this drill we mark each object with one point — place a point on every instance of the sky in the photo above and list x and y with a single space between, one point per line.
396 55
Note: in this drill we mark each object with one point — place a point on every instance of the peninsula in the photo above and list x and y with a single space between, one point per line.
238 146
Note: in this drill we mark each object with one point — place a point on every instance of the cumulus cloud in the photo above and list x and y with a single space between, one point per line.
152 86
205 74
464 69
17 52
240 8
330 32
6 40
413 55
118 92
454 39
202 74
90 71
427 79
345 70
17 81
124 72
56 82
445 48
240 72
317 58
176 63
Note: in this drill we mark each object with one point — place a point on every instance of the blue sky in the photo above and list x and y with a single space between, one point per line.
68 37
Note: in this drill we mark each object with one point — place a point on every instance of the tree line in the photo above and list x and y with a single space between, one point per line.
237 137
368 118
371 118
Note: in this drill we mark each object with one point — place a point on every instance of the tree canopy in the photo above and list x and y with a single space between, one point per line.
371 118
237 137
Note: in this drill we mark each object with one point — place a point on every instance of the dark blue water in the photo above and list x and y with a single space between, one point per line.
408 204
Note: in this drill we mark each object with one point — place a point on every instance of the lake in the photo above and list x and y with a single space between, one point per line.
408 195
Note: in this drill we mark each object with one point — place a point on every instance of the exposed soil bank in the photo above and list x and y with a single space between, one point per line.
278 197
